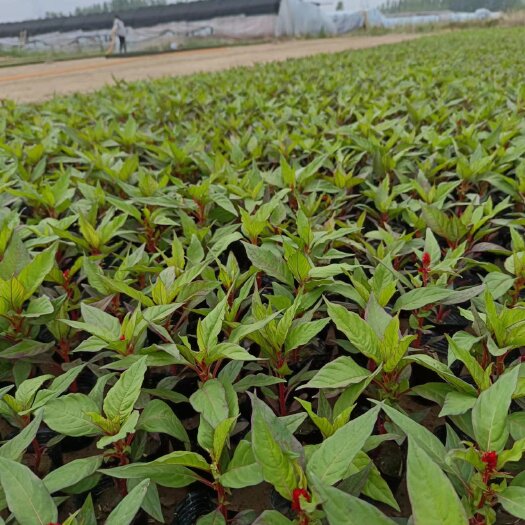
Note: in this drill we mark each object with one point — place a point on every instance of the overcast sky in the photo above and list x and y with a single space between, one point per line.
12 10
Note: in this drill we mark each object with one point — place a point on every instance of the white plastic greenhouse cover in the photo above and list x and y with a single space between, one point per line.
302 18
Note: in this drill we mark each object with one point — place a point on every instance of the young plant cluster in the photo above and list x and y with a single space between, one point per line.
292 294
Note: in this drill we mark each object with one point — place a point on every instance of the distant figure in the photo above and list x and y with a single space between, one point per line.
119 30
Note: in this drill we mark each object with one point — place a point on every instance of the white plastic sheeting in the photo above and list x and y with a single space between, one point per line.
303 18
297 18
376 19
160 36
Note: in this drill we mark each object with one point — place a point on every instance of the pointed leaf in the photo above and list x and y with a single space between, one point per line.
121 398
332 459
26 495
126 510
434 499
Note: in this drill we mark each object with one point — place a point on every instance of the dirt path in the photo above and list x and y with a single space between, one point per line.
33 83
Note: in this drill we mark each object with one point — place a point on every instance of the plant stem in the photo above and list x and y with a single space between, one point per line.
37 449
282 400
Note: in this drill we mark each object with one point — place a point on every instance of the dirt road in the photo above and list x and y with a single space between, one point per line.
33 83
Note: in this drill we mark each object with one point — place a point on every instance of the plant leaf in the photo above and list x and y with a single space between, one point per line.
332 459
26 495
67 415
157 416
121 398
71 473
433 498
489 415
339 373
126 510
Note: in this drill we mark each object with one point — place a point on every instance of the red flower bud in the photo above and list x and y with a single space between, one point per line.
122 337
426 259
296 498
490 459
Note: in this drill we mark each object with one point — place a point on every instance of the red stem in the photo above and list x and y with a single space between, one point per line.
37 449
282 399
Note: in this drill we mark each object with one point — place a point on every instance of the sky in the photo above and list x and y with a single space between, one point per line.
13 10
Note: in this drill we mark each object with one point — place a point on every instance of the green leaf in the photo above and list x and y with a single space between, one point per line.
185 459
489 415
151 503
462 296
127 427
480 376
15 448
126 510
67 415
517 425
86 515
417 433
59 385
332 459
210 401
419 297
26 495
27 390
100 319
121 398
303 333
358 331
256 380
229 351
269 262
243 470
209 329
25 349
221 435
71 473
514 454
322 423
377 488
121 287
166 475
32 275
344 508
432 246
512 499
442 371
159 417
272 517
276 464
498 283
38 307
457 403
339 373
433 498
213 518
241 331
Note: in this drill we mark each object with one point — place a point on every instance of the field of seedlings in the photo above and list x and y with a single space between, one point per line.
292 294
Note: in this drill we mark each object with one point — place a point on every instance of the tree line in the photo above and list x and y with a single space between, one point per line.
403 6
110 6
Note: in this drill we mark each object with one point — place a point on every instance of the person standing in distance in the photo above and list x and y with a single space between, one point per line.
119 30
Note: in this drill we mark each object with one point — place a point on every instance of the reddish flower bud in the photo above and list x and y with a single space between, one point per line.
490 459
426 259
296 501
122 337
